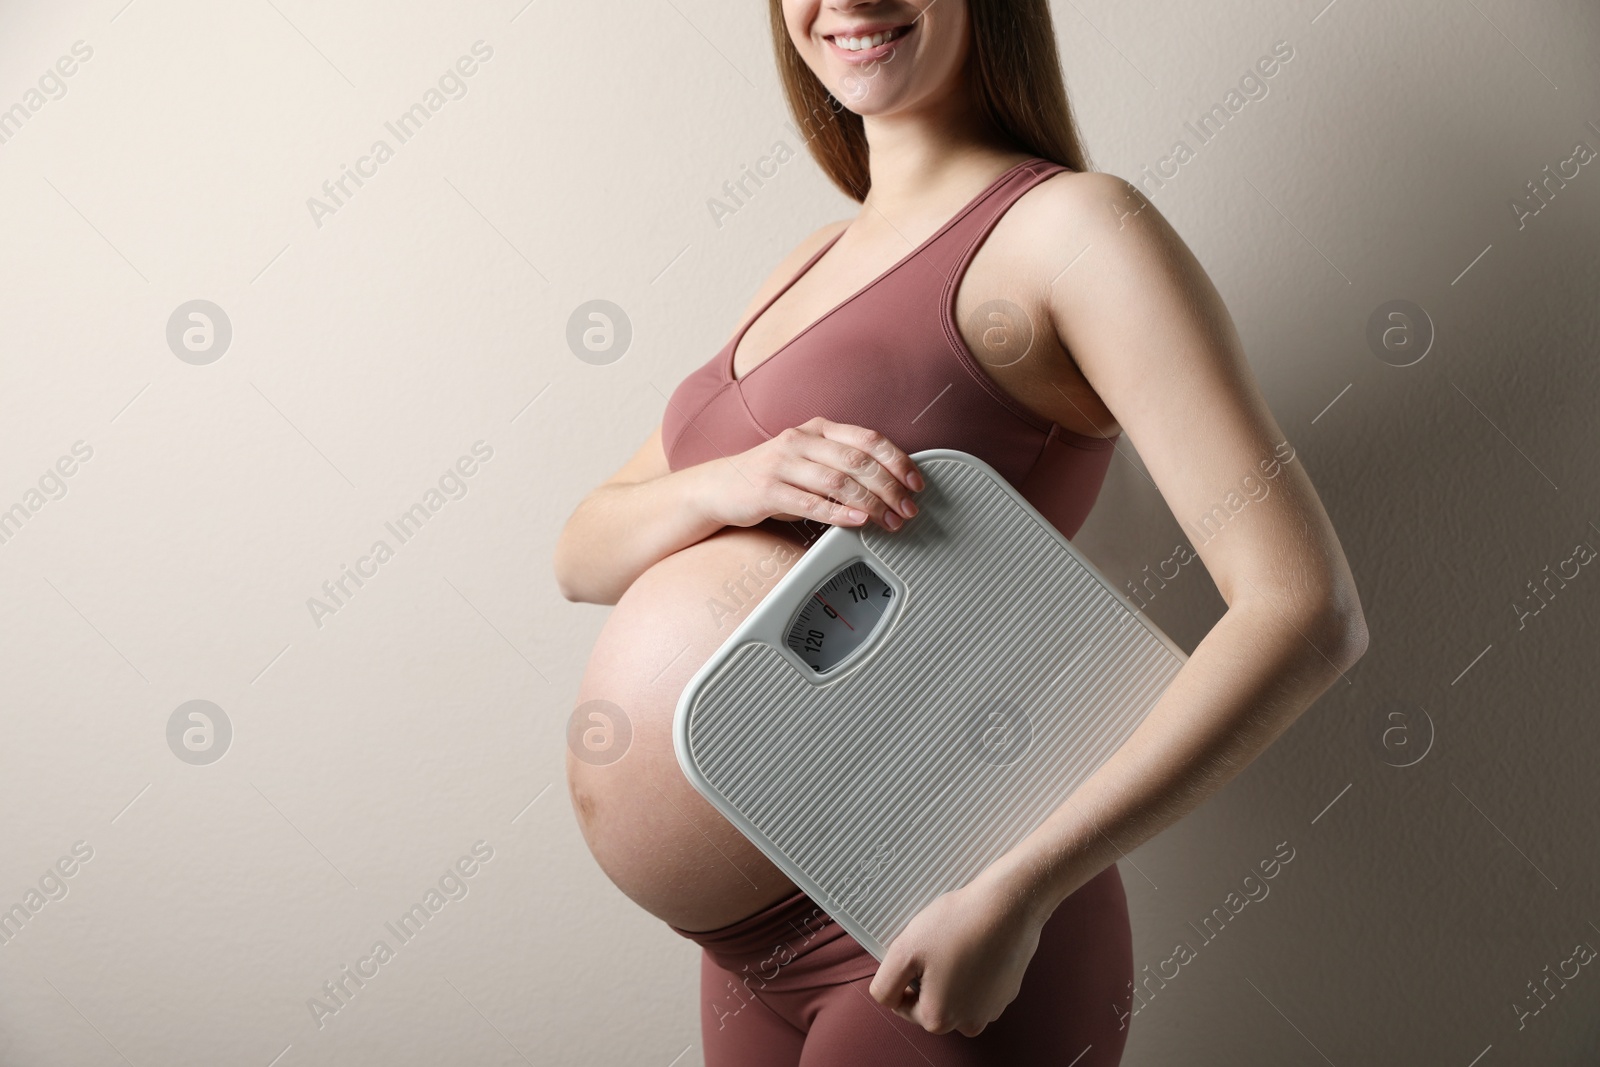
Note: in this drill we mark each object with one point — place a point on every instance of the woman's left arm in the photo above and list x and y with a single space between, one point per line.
1152 336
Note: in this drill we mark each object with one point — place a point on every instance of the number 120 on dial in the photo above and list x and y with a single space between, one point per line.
839 617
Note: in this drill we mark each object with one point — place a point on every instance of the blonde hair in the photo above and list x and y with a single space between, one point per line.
1015 74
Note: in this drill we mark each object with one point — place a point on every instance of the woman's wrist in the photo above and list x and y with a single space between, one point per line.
702 493
1019 886
1037 883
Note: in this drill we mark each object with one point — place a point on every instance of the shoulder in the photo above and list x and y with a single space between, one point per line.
1075 220
1097 241
1087 204
790 265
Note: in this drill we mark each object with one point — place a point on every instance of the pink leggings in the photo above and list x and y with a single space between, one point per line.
787 987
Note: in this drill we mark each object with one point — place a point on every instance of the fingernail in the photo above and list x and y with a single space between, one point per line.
857 516
891 520
908 506
915 479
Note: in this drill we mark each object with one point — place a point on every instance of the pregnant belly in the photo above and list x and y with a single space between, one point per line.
657 838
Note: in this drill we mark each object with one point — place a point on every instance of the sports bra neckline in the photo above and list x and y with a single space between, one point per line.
732 350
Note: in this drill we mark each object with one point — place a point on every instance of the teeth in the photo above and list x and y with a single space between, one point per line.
856 44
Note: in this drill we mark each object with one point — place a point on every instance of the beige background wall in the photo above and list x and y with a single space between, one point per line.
372 749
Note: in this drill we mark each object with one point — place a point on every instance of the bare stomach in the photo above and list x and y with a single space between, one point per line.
659 840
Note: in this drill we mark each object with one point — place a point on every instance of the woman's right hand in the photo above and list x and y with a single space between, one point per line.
832 472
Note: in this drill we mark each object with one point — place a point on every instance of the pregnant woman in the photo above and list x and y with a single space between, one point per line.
996 296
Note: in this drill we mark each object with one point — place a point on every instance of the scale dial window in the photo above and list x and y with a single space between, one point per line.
840 616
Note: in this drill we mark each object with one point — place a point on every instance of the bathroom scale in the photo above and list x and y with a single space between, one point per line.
905 706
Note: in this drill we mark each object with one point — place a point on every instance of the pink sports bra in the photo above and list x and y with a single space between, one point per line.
891 358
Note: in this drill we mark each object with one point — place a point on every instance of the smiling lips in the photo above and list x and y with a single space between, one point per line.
863 46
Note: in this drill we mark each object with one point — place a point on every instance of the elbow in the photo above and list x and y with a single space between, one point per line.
577 594
571 590
574 591
1351 638
577 582
592 596
589 596
1339 629
1326 625
1349 623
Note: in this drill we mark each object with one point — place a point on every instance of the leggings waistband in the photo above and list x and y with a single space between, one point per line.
796 920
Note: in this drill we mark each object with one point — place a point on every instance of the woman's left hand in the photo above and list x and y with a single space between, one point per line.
966 951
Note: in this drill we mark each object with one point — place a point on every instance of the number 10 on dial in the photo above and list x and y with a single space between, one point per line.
839 617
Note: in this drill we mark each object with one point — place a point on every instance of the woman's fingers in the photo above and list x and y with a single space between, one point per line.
800 504
893 986
875 444
828 482
884 489
834 488
840 474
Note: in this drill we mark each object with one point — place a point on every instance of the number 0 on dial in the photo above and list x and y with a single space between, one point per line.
839 617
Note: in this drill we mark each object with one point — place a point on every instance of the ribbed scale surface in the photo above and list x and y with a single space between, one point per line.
861 782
